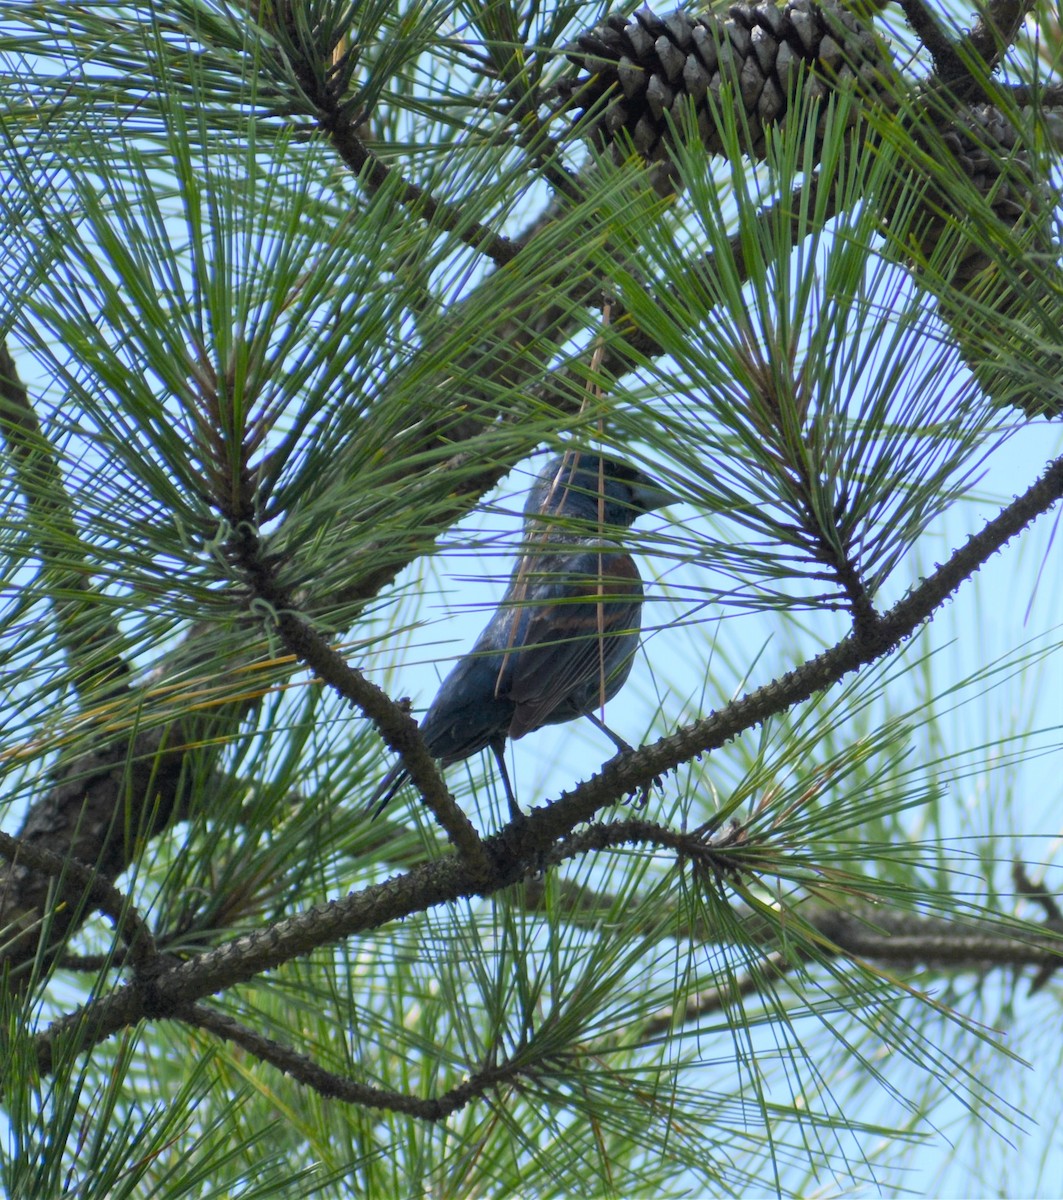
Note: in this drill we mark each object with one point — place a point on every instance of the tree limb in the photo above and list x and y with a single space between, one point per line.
333 1086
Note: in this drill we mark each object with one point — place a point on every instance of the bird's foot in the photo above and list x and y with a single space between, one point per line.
639 797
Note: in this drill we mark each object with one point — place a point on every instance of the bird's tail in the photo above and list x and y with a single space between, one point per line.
385 790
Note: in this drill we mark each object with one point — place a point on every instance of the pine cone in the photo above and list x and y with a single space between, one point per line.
989 150
636 71
640 68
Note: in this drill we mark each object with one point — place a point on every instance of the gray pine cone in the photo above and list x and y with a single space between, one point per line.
638 75
635 70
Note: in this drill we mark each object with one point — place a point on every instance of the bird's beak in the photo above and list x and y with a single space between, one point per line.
650 495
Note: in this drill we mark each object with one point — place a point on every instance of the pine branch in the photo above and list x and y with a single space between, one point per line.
948 64
514 850
997 28
897 939
80 888
333 1086
398 729
152 792
904 939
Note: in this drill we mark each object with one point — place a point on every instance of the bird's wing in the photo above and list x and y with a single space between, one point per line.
469 713
576 634
466 715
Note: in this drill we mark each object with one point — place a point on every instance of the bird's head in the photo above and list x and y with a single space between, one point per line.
573 484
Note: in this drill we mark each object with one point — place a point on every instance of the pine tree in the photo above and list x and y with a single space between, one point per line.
294 295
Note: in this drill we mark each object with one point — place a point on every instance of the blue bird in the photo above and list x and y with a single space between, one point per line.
562 641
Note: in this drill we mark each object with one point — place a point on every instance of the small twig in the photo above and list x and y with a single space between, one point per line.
543 150
846 572
954 71
376 174
606 835
91 963
717 999
1025 886
323 68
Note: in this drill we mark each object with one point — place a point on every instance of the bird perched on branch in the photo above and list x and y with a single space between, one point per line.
562 641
